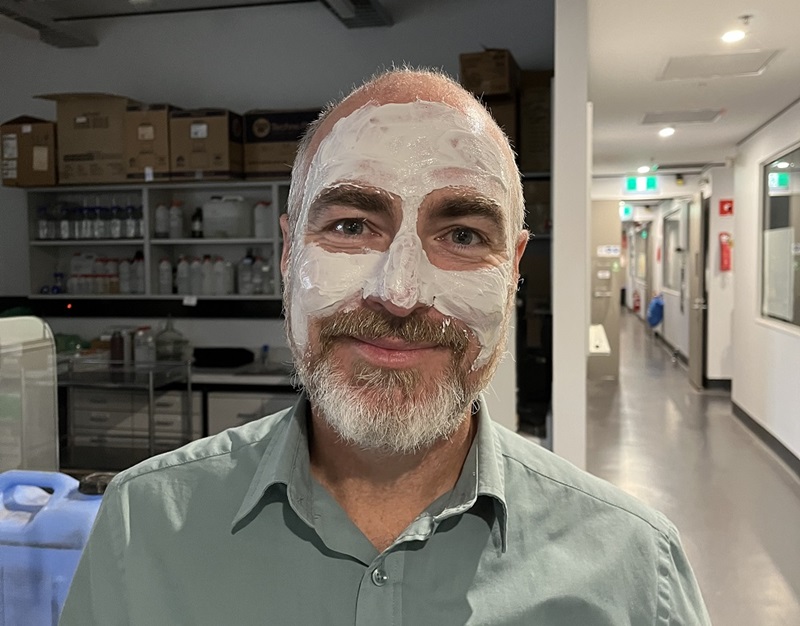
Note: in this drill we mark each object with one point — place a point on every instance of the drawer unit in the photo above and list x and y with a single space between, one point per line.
124 414
227 410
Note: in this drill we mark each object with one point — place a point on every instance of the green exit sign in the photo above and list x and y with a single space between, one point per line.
778 180
639 184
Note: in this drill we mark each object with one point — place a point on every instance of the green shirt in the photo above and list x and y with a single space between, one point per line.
234 529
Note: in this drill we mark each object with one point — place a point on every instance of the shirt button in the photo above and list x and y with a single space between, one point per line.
379 577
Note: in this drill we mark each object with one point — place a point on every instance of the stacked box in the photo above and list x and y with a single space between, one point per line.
28 152
90 137
206 144
271 139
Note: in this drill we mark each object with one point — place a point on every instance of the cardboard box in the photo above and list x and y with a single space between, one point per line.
489 73
205 144
535 120
505 112
271 138
147 142
28 147
90 137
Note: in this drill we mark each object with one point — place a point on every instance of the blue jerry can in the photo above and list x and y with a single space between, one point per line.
45 519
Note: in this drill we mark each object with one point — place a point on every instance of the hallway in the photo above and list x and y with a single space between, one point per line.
683 452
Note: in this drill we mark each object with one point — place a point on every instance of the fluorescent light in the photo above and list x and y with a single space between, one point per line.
782 165
667 131
643 169
732 36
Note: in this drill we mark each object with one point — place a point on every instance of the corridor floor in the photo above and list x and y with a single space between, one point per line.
683 452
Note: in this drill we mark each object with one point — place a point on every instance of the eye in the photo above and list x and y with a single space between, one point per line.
349 228
464 237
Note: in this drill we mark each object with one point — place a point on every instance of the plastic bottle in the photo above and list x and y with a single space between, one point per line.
196 277
98 225
58 284
162 222
137 273
197 223
244 275
75 222
139 223
208 276
115 223
182 276
130 226
219 277
64 227
125 276
41 222
230 278
87 223
176 220
262 215
258 276
165 277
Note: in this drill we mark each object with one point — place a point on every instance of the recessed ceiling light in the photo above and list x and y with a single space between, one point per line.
732 36
667 131
643 169
782 165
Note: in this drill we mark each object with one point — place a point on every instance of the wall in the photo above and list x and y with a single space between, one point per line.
719 285
766 355
571 216
604 293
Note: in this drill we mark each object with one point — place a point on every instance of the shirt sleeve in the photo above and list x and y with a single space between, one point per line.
97 595
680 602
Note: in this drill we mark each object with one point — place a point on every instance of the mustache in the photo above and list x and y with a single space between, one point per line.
415 328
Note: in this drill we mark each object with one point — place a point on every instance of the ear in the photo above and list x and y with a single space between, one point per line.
287 242
522 242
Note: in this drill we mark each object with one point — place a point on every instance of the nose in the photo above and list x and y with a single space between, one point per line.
397 288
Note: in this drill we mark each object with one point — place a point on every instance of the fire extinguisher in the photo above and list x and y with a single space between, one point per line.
725 252
637 301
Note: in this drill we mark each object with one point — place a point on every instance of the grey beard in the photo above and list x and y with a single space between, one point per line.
386 410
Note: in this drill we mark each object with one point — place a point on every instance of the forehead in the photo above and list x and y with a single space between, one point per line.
411 149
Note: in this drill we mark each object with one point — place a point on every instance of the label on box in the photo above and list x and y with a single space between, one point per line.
146 132
198 130
40 158
148 174
9 168
26 129
10 147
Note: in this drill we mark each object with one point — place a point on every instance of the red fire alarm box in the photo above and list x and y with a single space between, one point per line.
726 207
725 252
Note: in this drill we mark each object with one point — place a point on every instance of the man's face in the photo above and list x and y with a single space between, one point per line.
401 271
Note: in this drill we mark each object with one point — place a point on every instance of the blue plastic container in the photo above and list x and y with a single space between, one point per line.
42 535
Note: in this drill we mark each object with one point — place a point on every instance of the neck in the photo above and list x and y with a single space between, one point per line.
382 492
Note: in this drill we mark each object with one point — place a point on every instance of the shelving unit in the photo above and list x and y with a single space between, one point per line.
49 256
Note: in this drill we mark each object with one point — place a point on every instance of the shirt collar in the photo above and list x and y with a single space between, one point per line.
286 462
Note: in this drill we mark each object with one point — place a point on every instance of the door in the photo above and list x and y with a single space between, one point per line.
698 227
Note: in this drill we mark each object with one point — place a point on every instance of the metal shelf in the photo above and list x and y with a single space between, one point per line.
211 241
85 242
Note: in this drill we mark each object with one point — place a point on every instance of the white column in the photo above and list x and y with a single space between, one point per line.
571 174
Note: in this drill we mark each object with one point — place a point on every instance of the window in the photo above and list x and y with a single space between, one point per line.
780 262
672 252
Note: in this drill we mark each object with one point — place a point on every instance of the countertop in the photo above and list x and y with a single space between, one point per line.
274 375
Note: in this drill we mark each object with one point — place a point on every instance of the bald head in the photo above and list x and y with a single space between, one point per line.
403 86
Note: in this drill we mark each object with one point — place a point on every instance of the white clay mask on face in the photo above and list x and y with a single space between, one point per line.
409 150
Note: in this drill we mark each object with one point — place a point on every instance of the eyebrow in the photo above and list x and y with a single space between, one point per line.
471 206
367 200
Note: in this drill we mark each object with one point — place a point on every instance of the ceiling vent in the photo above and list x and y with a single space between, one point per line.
703 66
700 116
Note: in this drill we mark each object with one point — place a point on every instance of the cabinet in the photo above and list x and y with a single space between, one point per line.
58 241
226 410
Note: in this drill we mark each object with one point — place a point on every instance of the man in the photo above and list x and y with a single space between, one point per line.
386 495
